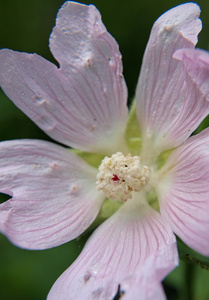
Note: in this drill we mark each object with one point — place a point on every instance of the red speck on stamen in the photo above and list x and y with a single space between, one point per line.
115 177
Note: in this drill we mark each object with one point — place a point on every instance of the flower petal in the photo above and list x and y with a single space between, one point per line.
83 103
146 285
196 66
184 192
196 105
161 89
54 198
117 252
151 291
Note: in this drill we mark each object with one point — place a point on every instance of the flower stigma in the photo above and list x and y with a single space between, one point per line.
120 175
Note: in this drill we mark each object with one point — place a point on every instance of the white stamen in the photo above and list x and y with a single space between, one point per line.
119 175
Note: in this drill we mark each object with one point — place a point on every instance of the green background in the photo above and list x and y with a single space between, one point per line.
25 25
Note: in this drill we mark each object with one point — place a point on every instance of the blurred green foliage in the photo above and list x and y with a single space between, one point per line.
25 26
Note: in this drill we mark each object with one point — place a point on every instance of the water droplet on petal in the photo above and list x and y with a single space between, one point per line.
87 276
47 122
64 29
39 100
97 293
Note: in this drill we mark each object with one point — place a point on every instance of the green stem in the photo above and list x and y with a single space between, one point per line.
189 281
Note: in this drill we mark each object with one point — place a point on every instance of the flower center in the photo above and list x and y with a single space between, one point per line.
119 175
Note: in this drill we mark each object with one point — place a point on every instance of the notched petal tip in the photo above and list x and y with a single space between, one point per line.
54 198
74 36
83 103
161 92
78 10
88 54
183 18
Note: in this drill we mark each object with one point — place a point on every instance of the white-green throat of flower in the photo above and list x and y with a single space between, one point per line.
121 175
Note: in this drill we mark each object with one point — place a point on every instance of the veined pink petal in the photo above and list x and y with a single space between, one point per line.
146 286
184 192
117 252
153 290
161 90
196 66
54 198
196 104
83 103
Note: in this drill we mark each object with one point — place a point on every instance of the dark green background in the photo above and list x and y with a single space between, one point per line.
25 25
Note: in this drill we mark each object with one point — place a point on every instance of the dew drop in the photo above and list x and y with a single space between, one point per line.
74 189
111 63
39 100
97 293
47 123
104 90
92 128
87 276
64 29
53 165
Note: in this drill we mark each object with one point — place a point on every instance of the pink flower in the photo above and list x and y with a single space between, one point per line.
56 195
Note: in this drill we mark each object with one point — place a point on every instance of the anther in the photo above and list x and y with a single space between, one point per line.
119 175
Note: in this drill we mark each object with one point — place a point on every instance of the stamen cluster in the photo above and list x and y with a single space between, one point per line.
119 175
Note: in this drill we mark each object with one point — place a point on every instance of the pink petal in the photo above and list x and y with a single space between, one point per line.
54 198
151 291
146 285
196 67
116 254
161 90
196 105
184 192
82 104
